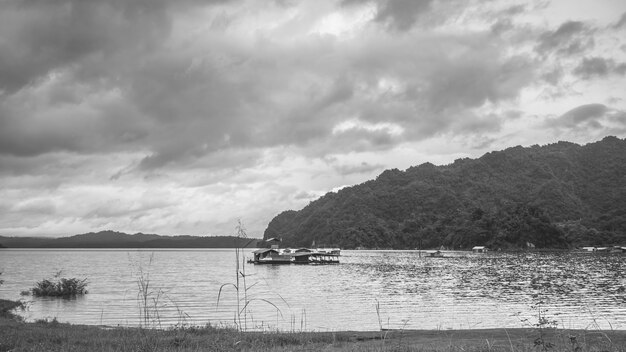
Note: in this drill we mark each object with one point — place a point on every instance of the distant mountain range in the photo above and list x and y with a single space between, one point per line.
112 239
560 195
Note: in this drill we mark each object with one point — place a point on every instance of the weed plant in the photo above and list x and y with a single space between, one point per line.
145 295
151 300
60 287
240 285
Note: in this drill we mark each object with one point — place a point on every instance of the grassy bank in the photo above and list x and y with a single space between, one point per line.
15 335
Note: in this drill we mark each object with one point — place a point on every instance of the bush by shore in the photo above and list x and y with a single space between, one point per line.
61 288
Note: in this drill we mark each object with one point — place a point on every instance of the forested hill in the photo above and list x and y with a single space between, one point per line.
113 239
555 196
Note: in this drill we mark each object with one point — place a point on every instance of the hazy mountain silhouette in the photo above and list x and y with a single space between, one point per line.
113 239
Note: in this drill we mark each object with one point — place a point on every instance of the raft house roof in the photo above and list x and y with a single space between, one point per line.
265 250
313 254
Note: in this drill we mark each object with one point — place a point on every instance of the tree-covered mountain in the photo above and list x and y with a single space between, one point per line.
554 196
113 239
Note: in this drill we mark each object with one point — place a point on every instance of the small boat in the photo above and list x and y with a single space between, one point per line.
435 254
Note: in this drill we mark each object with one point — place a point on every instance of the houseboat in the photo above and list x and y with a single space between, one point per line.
480 249
435 254
296 256
275 255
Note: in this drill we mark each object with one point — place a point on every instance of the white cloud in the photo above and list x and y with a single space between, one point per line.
356 124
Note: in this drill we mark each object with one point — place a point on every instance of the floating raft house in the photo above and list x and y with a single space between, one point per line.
297 256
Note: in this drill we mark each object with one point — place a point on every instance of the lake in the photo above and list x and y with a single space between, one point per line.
368 290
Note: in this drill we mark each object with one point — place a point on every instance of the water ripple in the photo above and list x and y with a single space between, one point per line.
369 289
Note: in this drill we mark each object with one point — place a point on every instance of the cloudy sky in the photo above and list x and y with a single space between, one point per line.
180 117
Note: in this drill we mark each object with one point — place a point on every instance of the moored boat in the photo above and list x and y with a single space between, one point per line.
435 254
295 256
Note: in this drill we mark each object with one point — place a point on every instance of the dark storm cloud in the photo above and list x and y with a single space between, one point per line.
303 121
192 110
472 80
46 126
514 10
16 166
621 23
591 117
18 137
398 15
554 75
505 19
572 37
584 113
401 14
181 103
501 26
36 207
246 99
595 66
57 60
129 82
41 36
598 67
466 73
476 125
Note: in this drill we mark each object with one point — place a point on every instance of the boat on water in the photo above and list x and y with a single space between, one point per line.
435 254
296 256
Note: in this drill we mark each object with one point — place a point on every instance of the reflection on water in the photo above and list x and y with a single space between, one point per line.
461 290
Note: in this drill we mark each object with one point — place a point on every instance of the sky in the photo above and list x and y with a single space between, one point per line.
183 117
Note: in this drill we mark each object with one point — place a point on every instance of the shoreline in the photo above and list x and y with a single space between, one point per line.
17 335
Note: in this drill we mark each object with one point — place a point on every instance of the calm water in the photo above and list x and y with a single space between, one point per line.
395 289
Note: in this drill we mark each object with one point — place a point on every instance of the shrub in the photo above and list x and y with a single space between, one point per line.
62 288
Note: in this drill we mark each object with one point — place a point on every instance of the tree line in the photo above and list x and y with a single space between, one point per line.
560 195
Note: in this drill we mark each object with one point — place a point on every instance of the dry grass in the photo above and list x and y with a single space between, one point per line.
55 336
16 335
